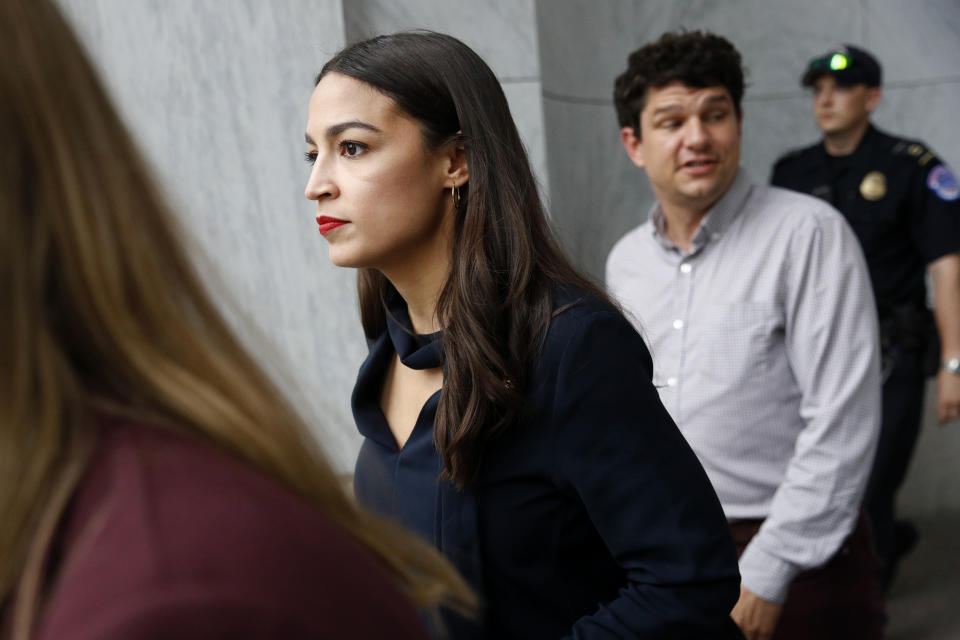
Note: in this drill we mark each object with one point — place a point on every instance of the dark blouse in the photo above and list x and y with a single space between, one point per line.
167 537
591 517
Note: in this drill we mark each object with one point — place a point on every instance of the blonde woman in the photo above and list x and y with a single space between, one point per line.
153 482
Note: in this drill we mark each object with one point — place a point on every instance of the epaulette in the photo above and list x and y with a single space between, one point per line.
913 149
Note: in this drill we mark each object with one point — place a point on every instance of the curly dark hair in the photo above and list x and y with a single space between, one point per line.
695 58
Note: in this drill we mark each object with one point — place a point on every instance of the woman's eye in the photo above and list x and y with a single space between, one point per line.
310 157
351 149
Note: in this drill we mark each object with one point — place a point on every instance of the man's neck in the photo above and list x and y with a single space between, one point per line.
843 143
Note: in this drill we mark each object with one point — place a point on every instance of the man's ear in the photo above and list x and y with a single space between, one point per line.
873 98
631 143
457 171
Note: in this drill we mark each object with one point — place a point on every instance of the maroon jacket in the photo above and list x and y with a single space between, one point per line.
171 538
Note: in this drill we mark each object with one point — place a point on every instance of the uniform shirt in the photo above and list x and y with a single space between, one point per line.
591 517
765 343
169 537
902 202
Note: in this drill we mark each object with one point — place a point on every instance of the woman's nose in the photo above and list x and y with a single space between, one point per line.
320 184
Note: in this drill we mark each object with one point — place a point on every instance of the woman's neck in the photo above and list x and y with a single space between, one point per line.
420 288
420 274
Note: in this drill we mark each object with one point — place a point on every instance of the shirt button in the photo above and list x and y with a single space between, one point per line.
685 268
671 382
678 324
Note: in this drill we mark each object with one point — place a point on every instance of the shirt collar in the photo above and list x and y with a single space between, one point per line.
415 350
718 218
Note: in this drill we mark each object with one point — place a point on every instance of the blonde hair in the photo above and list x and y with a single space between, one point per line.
103 311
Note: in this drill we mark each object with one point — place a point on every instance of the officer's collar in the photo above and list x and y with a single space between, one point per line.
865 143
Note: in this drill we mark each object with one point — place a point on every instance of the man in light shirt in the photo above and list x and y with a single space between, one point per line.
757 305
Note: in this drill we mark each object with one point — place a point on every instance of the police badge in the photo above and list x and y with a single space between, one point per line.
874 186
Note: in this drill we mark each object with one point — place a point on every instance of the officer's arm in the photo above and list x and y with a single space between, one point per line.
945 273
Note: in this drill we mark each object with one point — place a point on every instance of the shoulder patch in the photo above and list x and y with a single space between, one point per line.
942 182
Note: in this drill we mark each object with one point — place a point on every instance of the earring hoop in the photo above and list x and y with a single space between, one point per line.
455 194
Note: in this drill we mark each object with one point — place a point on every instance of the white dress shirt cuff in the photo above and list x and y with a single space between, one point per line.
766 575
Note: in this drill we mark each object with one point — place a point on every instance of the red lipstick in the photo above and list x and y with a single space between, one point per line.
328 224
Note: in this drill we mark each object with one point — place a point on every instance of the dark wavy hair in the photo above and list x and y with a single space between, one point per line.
497 302
695 58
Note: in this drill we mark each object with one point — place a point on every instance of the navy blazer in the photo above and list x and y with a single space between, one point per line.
591 517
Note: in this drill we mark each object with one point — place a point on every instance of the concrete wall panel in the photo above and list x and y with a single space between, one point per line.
217 99
216 95
504 34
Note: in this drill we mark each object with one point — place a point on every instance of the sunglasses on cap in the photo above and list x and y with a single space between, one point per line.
831 62
849 66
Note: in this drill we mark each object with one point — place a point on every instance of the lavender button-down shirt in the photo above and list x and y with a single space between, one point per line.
765 347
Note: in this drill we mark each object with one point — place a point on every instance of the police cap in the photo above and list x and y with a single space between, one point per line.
847 64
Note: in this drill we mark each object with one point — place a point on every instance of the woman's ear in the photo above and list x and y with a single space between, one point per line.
457 171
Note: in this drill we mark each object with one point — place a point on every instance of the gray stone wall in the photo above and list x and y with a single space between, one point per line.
503 33
597 194
216 93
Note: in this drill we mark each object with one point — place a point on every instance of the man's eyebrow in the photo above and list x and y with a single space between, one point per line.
667 109
720 97
711 100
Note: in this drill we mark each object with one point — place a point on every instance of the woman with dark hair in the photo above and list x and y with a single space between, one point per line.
154 483
506 403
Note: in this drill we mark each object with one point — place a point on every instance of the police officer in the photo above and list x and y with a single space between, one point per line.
904 205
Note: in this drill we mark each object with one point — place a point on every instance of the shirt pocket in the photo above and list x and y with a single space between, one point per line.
741 341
